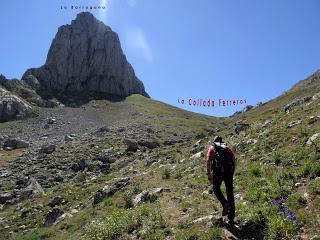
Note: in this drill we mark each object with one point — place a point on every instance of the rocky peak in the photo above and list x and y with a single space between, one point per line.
85 60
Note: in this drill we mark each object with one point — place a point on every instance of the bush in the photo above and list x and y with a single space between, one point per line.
118 222
301 153
255 169
314 186
200 136
277 158
256 193
166 173
33 235
127 197
278 228
311 169
214 234
114 225
296 201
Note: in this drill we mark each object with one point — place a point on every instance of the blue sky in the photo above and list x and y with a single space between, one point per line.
182 49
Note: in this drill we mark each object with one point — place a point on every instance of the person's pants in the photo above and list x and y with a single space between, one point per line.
227 177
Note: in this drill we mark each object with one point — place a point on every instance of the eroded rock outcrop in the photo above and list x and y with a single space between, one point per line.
13 107
85 59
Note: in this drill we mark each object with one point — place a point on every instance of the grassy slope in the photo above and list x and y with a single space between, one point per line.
266 170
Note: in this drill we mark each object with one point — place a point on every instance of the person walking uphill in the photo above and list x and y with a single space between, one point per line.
220 167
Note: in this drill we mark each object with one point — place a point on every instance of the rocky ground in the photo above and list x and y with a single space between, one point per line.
135 170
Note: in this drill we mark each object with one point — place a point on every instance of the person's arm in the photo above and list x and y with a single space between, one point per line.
210 158
209 165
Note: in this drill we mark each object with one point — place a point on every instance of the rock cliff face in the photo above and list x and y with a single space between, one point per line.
85 59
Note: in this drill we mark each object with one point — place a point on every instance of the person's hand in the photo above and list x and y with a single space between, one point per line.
210 178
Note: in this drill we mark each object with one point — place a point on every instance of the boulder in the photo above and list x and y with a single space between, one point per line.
22 182
197 147
298 184
316 96
294 123
132 145
296 103
68 138
313 139
33 190
102 130
150 161
247 108
149 143
6 197
105 156
15 143
171 142
58 178
47 149
203 219
80 165
238 197
197 155
80 177
105 168
240 126
52 216
313 119
251 141
22 144
109 191
148 195
57 201
142 197
51 120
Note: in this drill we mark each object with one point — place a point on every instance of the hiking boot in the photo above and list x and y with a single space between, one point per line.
225 210
230 222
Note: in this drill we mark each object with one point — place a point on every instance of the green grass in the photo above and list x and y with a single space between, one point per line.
265 170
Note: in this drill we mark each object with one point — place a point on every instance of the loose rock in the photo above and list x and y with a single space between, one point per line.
47 149
313 139
132 145
294 123
57 201
110 191
52 216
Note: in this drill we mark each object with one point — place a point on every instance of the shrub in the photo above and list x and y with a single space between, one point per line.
311 169
314 186
214 234
114 225
256 193
33 235
301 153
127 197
278 228
200 135
255 169
277 158
166 173
296 201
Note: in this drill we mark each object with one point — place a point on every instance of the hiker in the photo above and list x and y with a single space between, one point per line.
220 167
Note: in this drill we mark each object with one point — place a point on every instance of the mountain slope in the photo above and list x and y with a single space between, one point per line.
160 146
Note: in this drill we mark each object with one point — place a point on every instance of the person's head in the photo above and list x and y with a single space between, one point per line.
217 139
